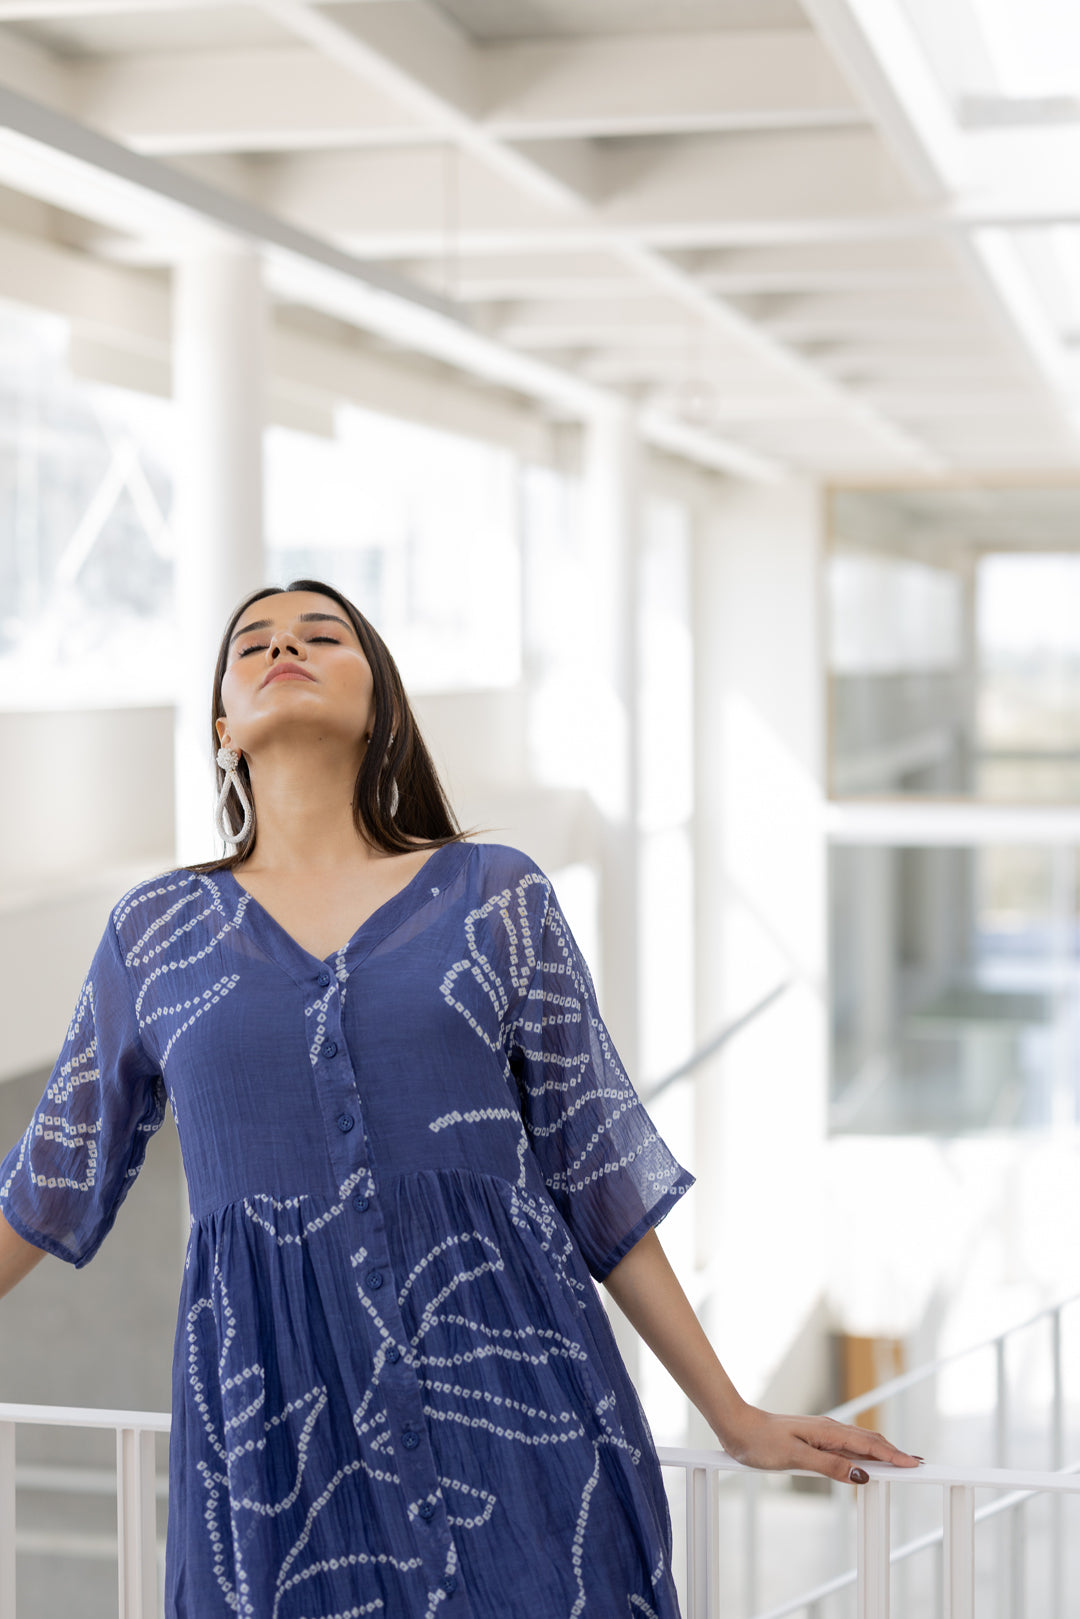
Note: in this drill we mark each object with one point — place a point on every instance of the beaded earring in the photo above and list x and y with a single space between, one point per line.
395 797
228 759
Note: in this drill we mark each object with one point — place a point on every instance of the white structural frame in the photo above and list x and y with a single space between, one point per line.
299 264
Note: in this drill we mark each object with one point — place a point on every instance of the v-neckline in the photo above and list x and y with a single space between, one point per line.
388 913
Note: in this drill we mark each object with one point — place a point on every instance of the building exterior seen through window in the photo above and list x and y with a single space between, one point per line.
953 629
953 670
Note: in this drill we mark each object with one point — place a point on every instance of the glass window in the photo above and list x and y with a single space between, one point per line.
419 528
954 643
85 548
954 988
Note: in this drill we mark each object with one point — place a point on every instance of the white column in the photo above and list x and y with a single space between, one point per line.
611 516
760 868
219 381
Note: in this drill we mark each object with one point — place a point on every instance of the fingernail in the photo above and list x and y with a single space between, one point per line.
858 1475
919 1458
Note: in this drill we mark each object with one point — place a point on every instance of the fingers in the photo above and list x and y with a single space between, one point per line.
831 1465
857 1442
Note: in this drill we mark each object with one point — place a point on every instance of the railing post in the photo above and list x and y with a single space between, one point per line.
750 1544
958 1582
1017 1548
702 1543
690 1513
1003 1544
136 1521
872 1584
7 1520
697 1543
1001 1405
1057 1461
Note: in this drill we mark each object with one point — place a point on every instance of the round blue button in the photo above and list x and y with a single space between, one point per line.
330 1049
360 1203
393 1353
324 979
345 1122
374 1278
427 1510
410 1440
449 1585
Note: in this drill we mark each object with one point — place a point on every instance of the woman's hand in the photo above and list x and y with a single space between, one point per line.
647 1291
816 1444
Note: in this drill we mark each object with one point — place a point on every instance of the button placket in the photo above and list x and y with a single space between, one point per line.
346 1136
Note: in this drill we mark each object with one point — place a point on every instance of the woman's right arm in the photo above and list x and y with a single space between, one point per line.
17 1256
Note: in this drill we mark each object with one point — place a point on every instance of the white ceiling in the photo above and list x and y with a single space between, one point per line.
765 223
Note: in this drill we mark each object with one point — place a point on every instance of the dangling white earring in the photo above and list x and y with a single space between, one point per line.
394 796
228 759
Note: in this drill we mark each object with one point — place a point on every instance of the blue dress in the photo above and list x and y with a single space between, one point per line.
395 1388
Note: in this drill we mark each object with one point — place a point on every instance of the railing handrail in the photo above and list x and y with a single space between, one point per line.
138 1548
90 1416
713 1044
919 1374
1027 1479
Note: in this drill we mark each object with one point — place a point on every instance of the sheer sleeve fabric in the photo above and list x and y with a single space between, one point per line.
609 1173
62 1184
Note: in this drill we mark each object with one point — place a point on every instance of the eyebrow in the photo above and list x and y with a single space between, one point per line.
304 618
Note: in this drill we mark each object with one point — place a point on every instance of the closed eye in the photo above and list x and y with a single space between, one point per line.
260 646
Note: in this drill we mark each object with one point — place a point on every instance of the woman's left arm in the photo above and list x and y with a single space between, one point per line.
647 1291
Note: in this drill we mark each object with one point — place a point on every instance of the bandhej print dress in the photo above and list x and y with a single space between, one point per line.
395 1390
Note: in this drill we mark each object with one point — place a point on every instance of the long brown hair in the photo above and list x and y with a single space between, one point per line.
422 811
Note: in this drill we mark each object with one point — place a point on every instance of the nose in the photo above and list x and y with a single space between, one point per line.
278 641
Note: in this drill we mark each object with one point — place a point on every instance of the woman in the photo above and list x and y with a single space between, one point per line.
411 1151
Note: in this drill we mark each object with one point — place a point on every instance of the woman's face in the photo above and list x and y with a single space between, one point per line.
295 665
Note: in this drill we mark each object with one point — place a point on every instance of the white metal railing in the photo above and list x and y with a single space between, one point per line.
136 1497
706 1473
706 1470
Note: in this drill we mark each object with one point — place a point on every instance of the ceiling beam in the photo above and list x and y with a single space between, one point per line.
26 67
57 153
50 10
273 99
662 84
277 98
894 81
407 51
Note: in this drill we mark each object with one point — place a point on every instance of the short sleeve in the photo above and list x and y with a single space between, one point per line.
610 1174
62 1184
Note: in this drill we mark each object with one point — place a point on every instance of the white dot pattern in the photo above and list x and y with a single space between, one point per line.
408 1165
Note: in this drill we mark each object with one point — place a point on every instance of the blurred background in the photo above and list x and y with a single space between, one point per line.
690 395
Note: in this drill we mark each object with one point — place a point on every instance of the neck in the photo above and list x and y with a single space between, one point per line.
303 808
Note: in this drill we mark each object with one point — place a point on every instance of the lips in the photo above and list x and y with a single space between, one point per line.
288 673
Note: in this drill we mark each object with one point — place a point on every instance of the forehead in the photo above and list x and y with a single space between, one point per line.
287 606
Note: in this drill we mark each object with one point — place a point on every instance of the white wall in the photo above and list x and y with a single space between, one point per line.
84 788
88 811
